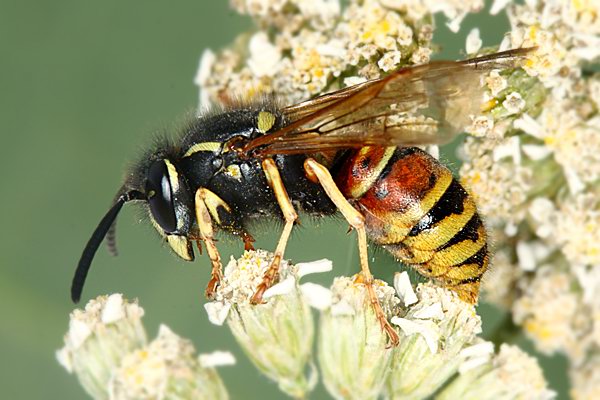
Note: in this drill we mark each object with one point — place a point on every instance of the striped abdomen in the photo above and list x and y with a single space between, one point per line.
417 210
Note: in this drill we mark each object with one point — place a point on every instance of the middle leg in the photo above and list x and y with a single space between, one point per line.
290 216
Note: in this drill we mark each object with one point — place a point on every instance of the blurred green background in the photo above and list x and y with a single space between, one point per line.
82 87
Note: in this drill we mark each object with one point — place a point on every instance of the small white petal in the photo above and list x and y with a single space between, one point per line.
498 5
333 48
217 312
404 288
454 24
283 287
478 350
412 327
316 296
510 148
529 126
527 261
354 80
473 41
63 357
573 180
342 308
433 150
514 103
207 59
313 267
472 363
113 309
536 152
505 44
511 229
78 332
433 311
264 56
216 359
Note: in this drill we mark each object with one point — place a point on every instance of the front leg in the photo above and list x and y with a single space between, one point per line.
203 200
356 221
289 215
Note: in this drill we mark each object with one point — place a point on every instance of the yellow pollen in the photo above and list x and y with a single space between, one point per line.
488 105
385 26
539 330
549 140
533 32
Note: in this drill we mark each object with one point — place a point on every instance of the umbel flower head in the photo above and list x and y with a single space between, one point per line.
511 374
98 338
106 348
353 352
167 368
434 332
277 335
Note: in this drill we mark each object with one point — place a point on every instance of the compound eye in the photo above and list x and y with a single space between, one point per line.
160 196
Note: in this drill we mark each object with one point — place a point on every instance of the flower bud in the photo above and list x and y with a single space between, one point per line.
98 339
277 335
434 330
512 374
166 369
353 353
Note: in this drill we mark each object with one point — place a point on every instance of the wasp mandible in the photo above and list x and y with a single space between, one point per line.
351 151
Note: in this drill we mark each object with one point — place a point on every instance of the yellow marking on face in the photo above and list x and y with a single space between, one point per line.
213 202
365 184
444 230
173 176
214 147
234 171
181 246
266 120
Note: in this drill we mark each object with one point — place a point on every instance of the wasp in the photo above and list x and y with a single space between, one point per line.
352 151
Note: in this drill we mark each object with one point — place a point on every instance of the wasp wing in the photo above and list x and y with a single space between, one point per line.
425 104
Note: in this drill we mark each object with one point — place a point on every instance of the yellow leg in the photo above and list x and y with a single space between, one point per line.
289 215
356 221
206 234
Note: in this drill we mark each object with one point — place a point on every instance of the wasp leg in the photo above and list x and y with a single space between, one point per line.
290 216
207 236
356 221
248 240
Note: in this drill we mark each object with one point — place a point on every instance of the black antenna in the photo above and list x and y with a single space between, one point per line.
92 246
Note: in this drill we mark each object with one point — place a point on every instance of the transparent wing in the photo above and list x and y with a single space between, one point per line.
425 104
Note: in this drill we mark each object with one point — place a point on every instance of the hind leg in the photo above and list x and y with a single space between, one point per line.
356 221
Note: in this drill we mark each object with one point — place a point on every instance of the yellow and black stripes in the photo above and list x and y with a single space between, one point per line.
419 212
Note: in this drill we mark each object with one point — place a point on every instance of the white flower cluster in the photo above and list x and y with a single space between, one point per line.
438 337
318 47
106 347
537 180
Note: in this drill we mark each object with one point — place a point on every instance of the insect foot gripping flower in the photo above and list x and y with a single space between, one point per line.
511 374
434 331
98 339
353 353
168 369
277 335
